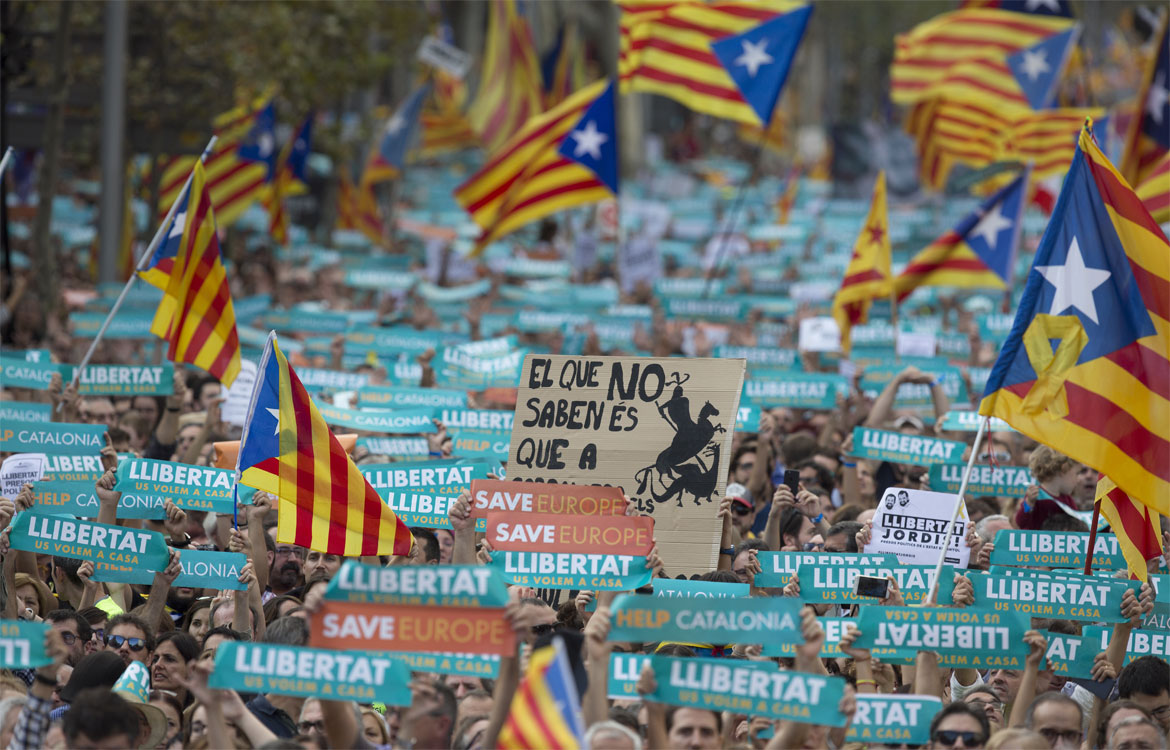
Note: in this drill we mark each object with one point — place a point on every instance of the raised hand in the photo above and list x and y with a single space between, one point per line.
459 514
964 591
175 520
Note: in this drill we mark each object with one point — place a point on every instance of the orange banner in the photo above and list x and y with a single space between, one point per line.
552 532
376 627
537 497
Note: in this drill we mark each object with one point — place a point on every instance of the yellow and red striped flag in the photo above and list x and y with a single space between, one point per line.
1155 191
924 55
196 315
510 90
666 49
868 275
1137 527
444 127
546 710
528 178
357 208
1100 287
324 501
1148 137
233 181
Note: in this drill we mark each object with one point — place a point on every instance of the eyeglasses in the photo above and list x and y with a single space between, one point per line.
740 509
814 546
289 552
1070 736
309 726
69 638
100 634
116 641
948 736
987 705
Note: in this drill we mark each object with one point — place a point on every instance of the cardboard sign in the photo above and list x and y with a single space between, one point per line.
998 481
638 617
1093 600
658 428
25 411
975 637
52 438
77 499
893 719
741 687
418 585
675 588
833 584
882 445
404 397
778 567
421 494
572 570
472 630
146 483
1055 549
86 540
19 470
310 672
797 390
551 532
538 497
910 524
22 644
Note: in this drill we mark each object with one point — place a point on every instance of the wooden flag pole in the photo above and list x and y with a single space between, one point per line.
942 555
1092 536
733 212
142 259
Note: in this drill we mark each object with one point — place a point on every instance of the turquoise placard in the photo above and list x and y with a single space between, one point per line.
1161 584
76 499
969 421
305 321
468 665
1055 549
200 569
22 644
24 411
975 637
247 308
835 628
421 494
415 449
146 483
882 445
998 481
688 288
400 422
127 324
892 719
747 418
778 567
1070 655
761 355
73 468
833 584
490 444
916 394
87 540
311 672
476 419
1063 598
380 279
796 390
1141 642
123 380
315 379
572 570
461 367
54 438
17 372
402 397
739 687
682 588
426 585
622 679
705 309
640 617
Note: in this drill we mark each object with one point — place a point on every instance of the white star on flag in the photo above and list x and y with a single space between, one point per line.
1032 5
1157 97
989 227
395 124
265 144
589 140
177 226
1074 283
754 55
1035 63
275 415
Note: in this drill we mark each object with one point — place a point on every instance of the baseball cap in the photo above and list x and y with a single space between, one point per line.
739 493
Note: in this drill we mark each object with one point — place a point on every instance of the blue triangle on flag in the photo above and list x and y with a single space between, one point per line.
993 231
260 142
1038 7
758 60
400 130
302 144
593 142
1038 68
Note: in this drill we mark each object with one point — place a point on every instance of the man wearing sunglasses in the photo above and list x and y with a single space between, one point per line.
743 513
130 638
74 630
958 726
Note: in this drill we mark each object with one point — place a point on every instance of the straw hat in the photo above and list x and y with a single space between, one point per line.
134 686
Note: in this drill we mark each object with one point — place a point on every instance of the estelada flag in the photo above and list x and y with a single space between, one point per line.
286 450
1136 527
868 276
1086 367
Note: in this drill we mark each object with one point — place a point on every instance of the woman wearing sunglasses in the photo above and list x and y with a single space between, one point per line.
958 726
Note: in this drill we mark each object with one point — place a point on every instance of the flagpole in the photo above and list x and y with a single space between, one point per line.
1092 536
729 222
142 259
942 556
4 161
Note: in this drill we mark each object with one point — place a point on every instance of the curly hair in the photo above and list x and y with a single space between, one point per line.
1046 463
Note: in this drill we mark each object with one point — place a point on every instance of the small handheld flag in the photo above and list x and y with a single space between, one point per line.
545 711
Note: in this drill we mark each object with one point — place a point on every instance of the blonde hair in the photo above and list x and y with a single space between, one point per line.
1045 463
